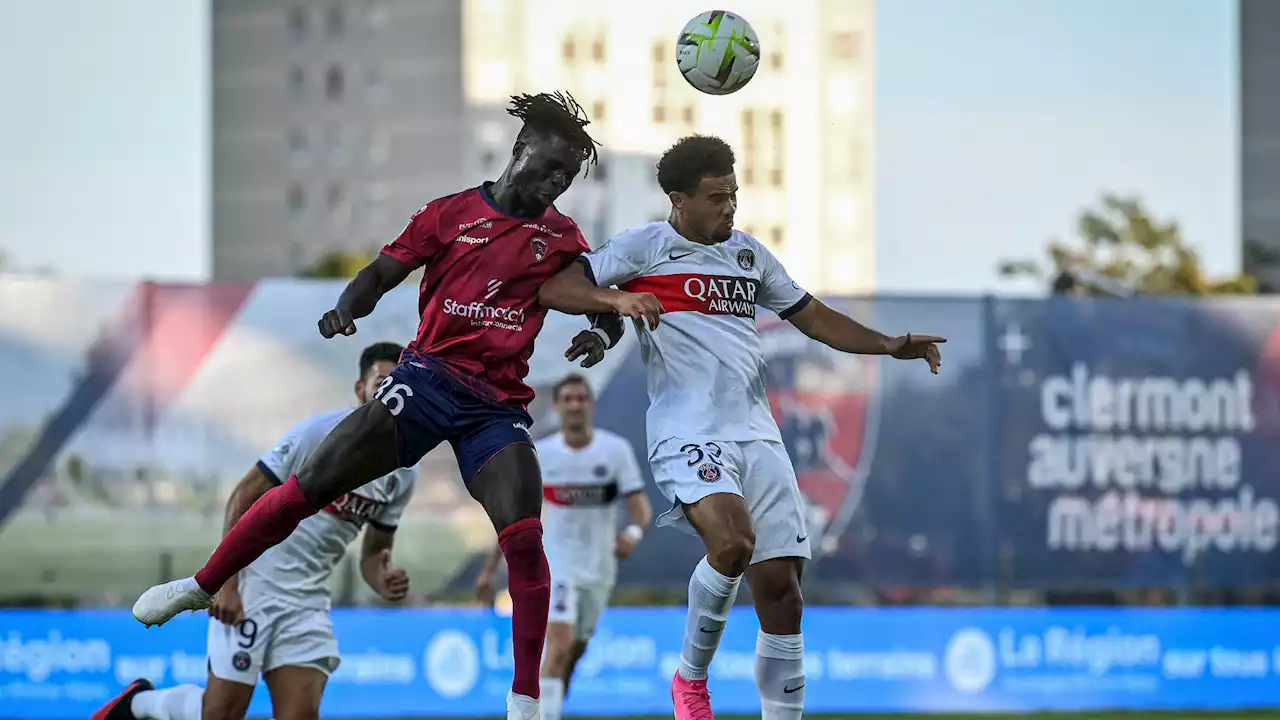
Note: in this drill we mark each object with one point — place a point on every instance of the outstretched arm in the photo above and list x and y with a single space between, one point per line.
572 291
362 294
843 333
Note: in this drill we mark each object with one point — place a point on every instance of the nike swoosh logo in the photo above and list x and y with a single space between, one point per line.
786 690
673 256
800 539
709 632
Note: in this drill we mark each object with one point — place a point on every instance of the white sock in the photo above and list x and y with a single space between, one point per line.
551 703
711 596
780 676
176 703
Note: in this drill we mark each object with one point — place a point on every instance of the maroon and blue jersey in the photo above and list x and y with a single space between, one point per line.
479 296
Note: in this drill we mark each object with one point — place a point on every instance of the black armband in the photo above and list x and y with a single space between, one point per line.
609 326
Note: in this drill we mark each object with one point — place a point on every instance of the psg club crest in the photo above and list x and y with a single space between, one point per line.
746 258
708 473
827 408
539 249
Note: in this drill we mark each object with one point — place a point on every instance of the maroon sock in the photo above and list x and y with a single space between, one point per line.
529 582
268 522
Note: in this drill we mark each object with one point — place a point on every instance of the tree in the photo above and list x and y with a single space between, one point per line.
337 264
1121 243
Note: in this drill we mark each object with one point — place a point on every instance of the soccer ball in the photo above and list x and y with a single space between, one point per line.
718 52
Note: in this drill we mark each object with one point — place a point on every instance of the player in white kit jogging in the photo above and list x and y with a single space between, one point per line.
714 447
273 620
587 473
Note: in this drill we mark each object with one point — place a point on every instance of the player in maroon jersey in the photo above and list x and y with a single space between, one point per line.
486 251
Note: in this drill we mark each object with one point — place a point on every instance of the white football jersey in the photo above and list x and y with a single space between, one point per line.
582 488
296 571
705 368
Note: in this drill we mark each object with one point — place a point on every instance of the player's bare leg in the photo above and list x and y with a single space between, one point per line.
296 692
579 649
360 449
509 487
556 666
775 587
723 521
224 700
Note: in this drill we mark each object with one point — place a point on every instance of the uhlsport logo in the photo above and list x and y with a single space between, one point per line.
970 661
451 664
827 408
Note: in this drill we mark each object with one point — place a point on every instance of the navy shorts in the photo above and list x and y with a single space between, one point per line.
430 407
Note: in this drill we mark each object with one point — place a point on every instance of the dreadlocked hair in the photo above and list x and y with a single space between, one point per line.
557 113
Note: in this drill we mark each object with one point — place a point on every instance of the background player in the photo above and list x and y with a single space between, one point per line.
273 618
486 251
585 471
714 447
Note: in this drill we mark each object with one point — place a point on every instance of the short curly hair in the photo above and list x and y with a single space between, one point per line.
376 353
684 165
557 113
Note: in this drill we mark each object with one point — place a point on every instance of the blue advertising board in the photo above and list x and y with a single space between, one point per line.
455 663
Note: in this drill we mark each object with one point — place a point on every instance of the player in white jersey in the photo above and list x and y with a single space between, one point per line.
586 471
273 620
714 447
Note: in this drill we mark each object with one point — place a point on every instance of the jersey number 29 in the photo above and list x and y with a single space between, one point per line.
392 394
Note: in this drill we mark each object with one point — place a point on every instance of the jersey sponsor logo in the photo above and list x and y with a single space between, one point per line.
708 294
746 258
355 508
485 223
827 409
469 240
543 229
539 249
581 495
482 314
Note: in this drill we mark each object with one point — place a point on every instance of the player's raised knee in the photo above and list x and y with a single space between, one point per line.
730 552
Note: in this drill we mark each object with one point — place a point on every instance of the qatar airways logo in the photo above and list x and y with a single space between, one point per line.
724 295
354 508
483 314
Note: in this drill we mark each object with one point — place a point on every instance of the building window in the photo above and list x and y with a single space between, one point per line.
569 49
296 199
597 50
597 111
335 21
375 86
335 139
659 52
846 45
659 114
775 61
379 146
336 202
334 82
687 115
298 145
297 83
376 200
775 237
298 23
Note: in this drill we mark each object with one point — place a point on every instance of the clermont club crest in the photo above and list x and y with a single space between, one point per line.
539 249
827 409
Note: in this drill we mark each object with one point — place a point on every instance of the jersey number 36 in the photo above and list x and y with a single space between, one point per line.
392 394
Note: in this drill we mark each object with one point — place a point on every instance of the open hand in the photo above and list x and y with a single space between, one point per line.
393 583
588 344
915 347
337 322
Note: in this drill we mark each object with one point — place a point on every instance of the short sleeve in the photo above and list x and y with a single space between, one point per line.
778 292
420 239
388 519
630 480
624 257
288 456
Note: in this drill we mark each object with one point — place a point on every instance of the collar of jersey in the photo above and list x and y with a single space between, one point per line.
488 198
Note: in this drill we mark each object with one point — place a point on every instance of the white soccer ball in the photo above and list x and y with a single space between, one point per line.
718 52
